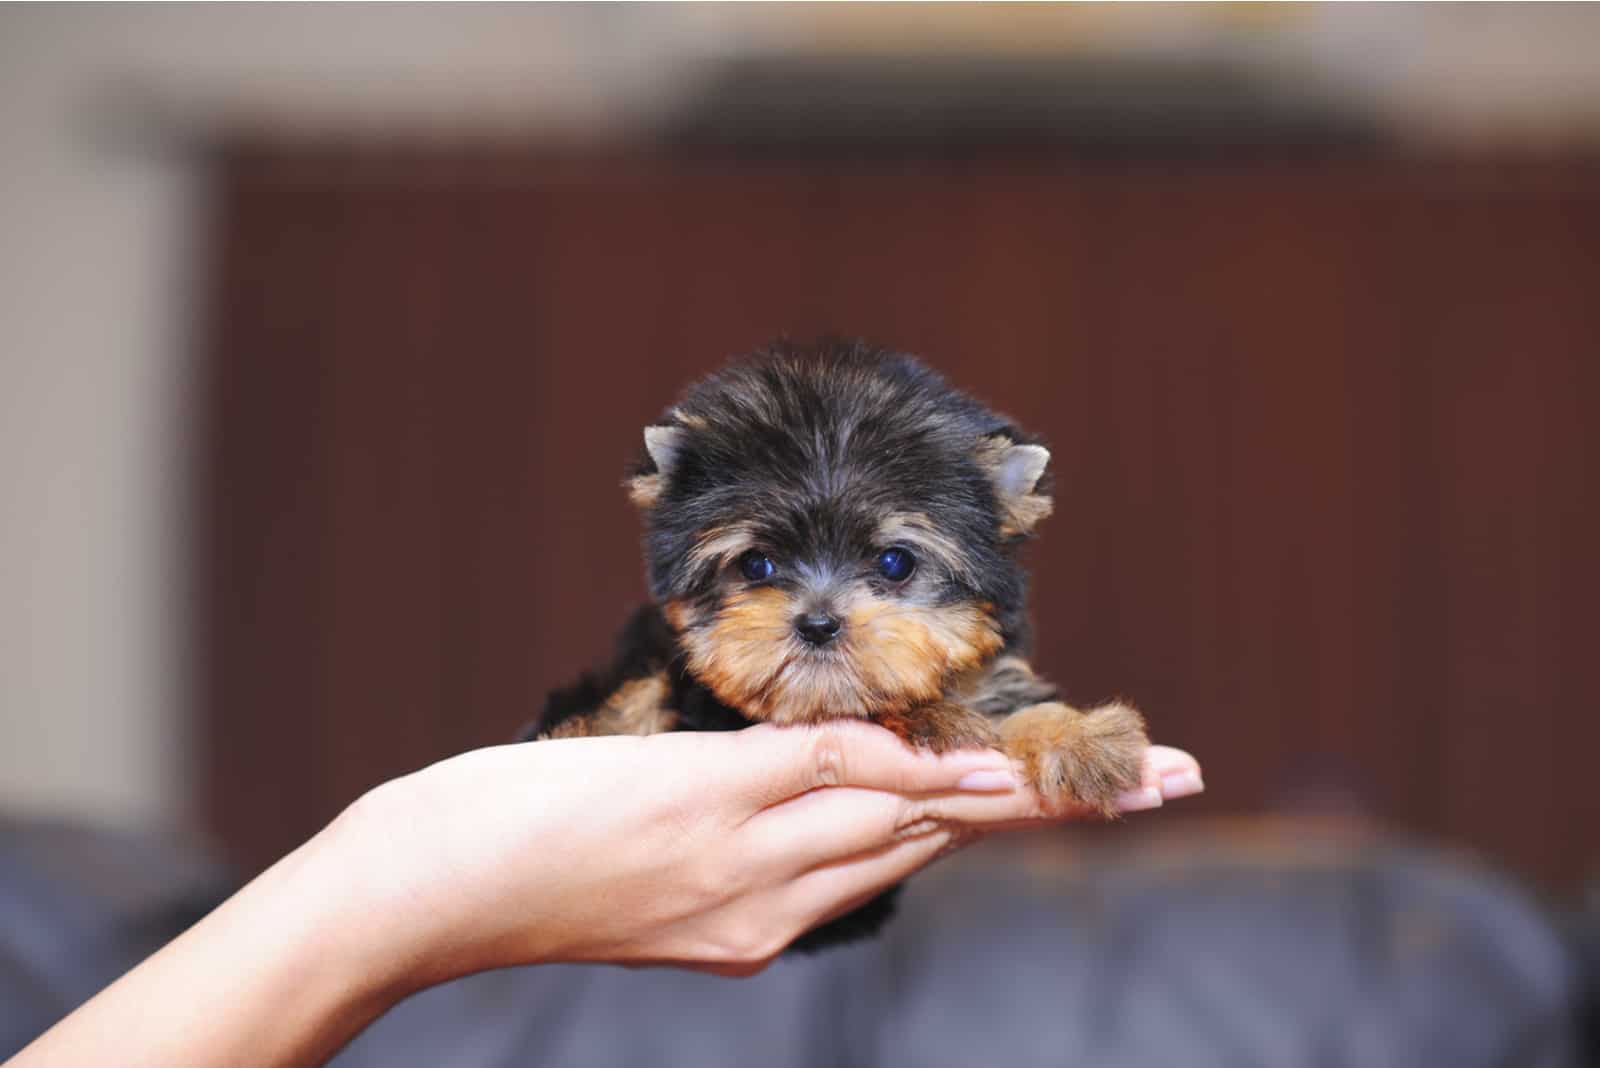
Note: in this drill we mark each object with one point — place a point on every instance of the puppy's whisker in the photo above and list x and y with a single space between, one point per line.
777 672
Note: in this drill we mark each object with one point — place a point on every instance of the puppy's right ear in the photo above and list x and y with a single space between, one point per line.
662 444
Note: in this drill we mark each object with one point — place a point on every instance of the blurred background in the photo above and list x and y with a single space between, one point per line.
329 331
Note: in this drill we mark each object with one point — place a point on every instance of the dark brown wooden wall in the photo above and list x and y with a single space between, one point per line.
1323 432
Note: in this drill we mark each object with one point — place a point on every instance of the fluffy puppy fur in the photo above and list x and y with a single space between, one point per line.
832 532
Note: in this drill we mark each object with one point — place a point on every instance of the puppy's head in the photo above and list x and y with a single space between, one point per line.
831 532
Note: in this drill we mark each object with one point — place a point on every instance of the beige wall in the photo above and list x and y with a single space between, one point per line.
89 444
96 240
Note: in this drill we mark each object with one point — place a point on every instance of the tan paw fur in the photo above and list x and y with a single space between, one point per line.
941 727
1074 756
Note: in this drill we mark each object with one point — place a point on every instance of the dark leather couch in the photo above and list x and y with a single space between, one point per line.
1265 945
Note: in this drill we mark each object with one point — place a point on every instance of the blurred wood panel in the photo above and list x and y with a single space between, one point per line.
1323 431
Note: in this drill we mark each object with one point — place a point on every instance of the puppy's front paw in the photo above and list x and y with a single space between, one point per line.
1074 756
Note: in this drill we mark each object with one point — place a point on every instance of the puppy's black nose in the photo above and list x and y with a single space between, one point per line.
816 629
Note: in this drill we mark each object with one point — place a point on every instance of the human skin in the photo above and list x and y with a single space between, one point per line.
709 851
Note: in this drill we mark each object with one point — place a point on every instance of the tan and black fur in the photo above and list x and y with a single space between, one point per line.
833 533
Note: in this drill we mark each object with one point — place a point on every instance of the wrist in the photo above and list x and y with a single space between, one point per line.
329 945
419 891
366 917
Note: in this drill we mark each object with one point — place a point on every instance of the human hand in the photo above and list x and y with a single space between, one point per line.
707 850
711 851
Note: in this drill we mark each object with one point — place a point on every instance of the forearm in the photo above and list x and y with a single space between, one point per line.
283 973
706 850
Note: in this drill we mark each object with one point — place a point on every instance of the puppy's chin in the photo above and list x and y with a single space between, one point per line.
891 656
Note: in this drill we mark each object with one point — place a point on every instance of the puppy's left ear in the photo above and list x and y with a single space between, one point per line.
662 444
1016 473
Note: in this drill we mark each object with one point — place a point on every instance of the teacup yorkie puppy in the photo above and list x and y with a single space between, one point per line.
833 533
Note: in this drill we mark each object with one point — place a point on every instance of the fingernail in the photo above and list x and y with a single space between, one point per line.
1181 784
1146 797
987 781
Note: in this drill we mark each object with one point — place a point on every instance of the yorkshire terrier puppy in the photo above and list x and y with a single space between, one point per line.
833 533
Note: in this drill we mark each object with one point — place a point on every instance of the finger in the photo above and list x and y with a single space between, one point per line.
1167 774
825 826
797 905
821 826
783 762
833 890
1173 772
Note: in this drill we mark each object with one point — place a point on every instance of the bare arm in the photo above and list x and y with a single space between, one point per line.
711 851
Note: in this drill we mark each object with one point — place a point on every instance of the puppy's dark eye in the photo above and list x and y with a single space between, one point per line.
756 566
896 565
